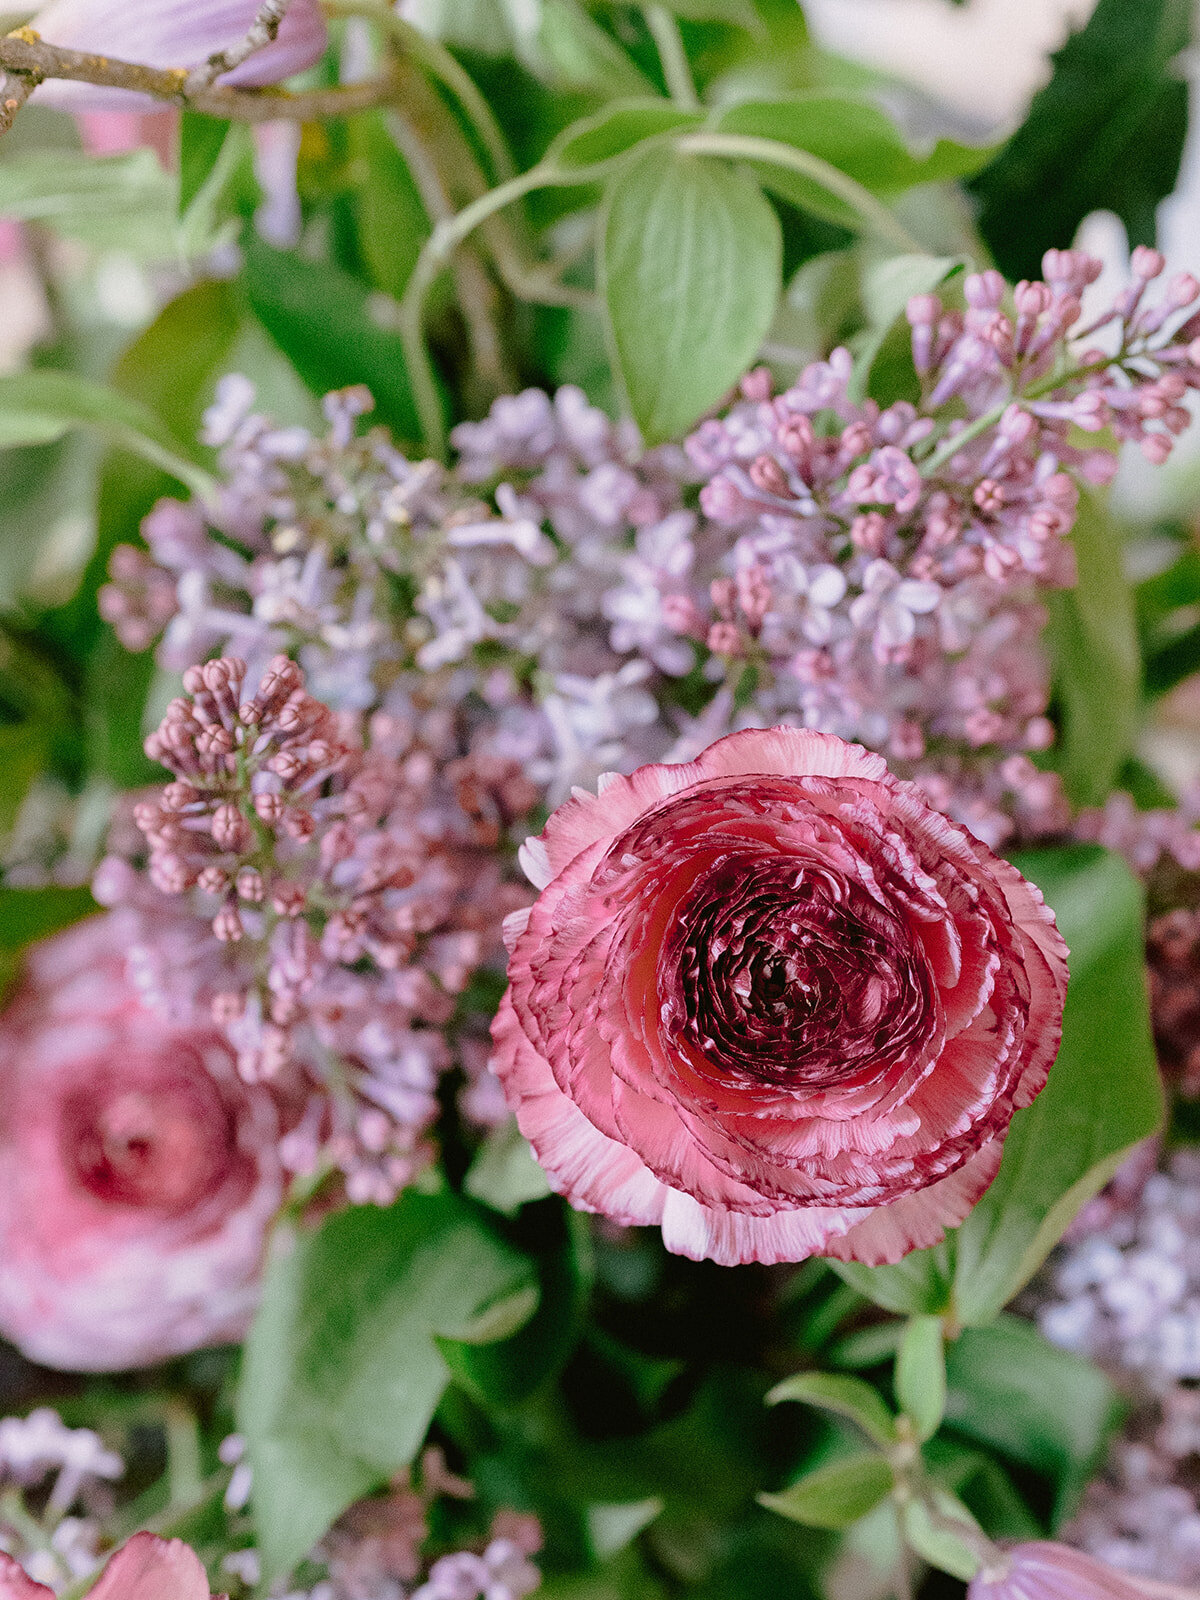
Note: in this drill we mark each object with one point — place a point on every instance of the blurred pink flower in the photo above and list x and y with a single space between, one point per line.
773 1002
138 1174
1046 1571
173 33
147 1568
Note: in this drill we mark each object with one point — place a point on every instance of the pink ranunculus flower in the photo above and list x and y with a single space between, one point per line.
173 33
138 1174
147 1568
1043 1570
772 1002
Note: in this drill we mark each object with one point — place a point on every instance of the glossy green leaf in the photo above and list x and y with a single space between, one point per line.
734 13
929 1531
690 266
851 134
342 1372
1097 660
617 128
1104 1095
921 1375
847 1397
1106 133
1012 1391
836 1495
37 407
505 1174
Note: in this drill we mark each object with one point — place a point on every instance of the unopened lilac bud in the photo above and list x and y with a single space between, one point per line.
268 808
230 830
250 885
287 899
299 824
1032 299
766 474
227 925
1156 447
227 1006
178 796
923 310
213 881
1182 290
1147 263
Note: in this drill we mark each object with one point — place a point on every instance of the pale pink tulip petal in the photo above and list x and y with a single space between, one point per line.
1042 1570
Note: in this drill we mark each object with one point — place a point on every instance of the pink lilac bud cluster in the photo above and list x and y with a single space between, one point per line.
1173 958
336 887
879 570
1126 1294
56 1492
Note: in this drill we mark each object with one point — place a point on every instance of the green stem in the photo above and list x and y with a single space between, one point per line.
745 147
435 254
1047 385
440 64
677 71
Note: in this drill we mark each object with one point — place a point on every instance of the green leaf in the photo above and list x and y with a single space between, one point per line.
936 1543
848 1397
122 202
575 52
834 1496
1097 659
1106 133
27 915
1013 1391
325 322
200 142
1104 1096
390 219
618 127
342 1373
37 407
690 266
733 13
505 1174
849 133
921 1375
612 1527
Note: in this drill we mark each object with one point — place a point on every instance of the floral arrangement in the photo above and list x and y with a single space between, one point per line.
599 881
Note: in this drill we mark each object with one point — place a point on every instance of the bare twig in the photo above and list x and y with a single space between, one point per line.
15 89
23 54
263 31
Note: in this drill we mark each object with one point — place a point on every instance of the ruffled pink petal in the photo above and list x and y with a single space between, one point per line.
785 752
16 1584
173 33
731 1238
149 1568
594 1172
919 1220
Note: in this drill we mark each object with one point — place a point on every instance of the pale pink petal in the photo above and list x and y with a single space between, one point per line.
731 1238
149 1568
1042 1570
16 1584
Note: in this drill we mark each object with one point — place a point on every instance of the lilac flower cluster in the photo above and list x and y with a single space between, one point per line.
1126 1293
1173 955
881 566
56 1495
337 886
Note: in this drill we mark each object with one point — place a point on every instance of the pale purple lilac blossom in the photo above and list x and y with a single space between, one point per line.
66 1473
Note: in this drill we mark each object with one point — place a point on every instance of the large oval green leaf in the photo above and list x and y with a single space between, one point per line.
690 265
